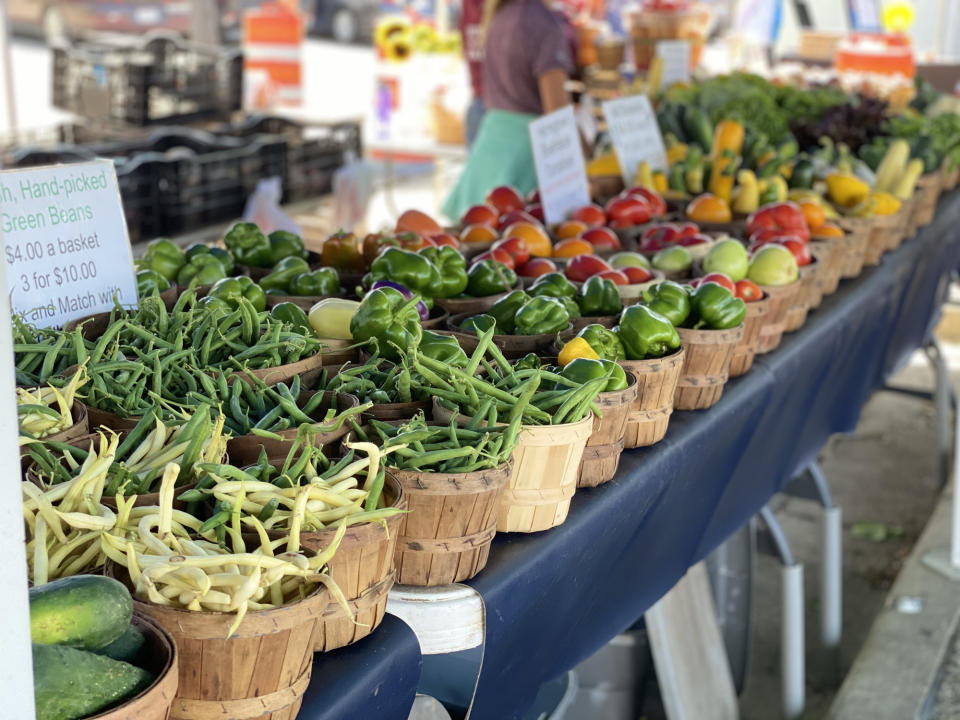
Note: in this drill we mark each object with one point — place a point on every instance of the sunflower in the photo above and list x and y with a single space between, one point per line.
388 27
398 47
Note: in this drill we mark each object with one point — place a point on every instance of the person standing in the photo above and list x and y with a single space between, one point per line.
527 62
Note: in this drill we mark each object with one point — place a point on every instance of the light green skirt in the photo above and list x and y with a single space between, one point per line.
501 155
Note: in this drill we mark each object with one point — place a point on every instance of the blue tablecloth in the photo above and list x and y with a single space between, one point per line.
554 598
374 678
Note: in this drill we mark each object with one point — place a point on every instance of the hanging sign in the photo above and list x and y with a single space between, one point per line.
558 158
65 242
675 55
635 134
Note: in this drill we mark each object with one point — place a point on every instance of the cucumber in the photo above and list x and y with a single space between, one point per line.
86 611
127 647
69 684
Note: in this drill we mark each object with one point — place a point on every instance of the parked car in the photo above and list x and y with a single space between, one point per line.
347 21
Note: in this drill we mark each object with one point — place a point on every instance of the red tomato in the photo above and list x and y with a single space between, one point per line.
748 291
800 250
785 217
658 237
504 198
583 266
498 254
441 239
616 276
590 215
601 238
516 247
535 267
658 206
480 215
719 278
627 211
535 210
695 239
515 216
636 275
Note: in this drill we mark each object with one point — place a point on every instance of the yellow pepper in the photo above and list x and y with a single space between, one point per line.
576 348
722 174
644 176
728 135
746 197
660 183
846 189
603 164
884 203
676 153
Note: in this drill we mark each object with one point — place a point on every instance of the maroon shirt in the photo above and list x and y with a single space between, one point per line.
525 39
471 28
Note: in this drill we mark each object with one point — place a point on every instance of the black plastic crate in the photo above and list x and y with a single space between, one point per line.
161 79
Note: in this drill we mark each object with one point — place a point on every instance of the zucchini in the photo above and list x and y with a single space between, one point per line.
87 611
69 684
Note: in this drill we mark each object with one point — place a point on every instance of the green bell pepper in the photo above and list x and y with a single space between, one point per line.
150 282
451 266
294 316
599 296
541 316
202 270
477 323
216 305
553 285
323 281
573 310
231 290
716 307
802 176
443 348
646 334
194 249
504 310
225 258
388 318
249 245
283 272
583 370
405 267
604 342
164 258
285 244
488 277
530 361
668 299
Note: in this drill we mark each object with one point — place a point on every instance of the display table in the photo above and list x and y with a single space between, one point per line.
554 598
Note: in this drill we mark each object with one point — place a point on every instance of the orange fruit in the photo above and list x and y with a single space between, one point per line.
813 214
478 234
571 247
535 237
828 230
569 229
708 208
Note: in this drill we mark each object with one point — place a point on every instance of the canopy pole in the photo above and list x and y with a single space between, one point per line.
6 75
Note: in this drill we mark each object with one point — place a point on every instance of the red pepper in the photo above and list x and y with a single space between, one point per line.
342 251
515 247
583 266
748 291
658 206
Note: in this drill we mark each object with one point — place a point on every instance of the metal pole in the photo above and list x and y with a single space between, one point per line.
792 652
941 403
7 69
831 578
16 664
955 526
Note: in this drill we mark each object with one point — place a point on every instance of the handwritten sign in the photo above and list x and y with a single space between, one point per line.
636 137
558 158
675 55
65 242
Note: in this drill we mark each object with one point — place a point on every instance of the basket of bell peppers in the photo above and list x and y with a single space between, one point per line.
521 324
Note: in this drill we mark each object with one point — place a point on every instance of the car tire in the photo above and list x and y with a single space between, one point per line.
344 26
54 26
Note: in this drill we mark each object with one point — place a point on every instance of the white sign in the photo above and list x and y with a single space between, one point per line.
558 157
65 242
675 55
636 137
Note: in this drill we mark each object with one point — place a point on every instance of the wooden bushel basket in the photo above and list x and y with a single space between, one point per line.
745 351
80 427
883 228
898 232
706 367
336 352
853 246
446 536
286 373
512 346
809 294
925 197
160 655
97 419
363 569
608 321
472 306
601 456
774 322
656 383
259 673
398 411
546 465
828 253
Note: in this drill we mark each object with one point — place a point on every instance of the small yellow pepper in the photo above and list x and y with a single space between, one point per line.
846 189
576 348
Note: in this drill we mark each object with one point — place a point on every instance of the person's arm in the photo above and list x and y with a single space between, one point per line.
553 91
